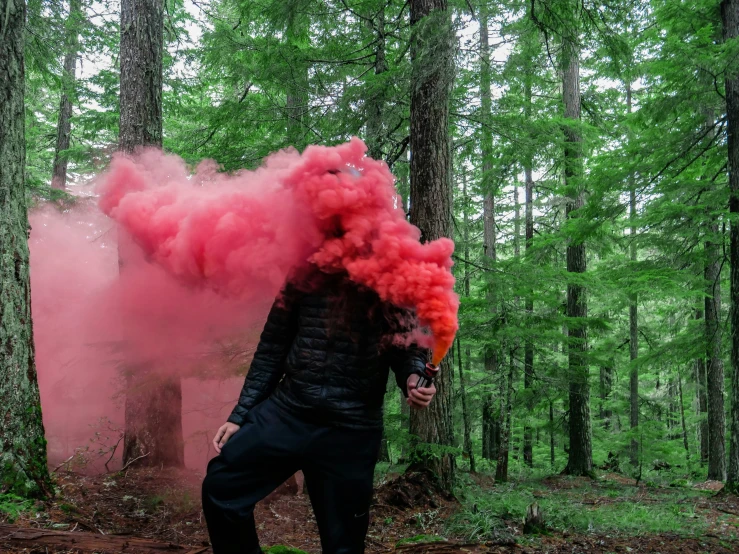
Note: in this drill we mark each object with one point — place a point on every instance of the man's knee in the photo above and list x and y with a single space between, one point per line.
216 480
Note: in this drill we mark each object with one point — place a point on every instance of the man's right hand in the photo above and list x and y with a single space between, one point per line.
223 434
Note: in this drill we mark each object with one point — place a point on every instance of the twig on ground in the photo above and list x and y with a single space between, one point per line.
125 467
64 462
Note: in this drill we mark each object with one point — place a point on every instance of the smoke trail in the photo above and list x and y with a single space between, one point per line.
331 206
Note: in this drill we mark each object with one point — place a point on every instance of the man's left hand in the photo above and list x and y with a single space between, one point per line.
419 398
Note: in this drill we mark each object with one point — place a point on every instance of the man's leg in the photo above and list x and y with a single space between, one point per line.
339 475
253 463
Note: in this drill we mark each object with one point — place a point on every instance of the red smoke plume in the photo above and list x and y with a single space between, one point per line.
331 206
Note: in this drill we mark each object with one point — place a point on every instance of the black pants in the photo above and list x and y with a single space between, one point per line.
338 465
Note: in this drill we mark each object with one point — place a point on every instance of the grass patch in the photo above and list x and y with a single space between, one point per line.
421 539
13 506
283 550
578 507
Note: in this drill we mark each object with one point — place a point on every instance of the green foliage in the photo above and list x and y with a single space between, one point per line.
283 550
574 506
13 506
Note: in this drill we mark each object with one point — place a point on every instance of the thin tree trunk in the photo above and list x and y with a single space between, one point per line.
606 386
465 412
730 20
23 469
528 347
700 377
432 53
682 417
552 460
463 391
633 322
64 124
491 428
580 459
715 369
153 409
501 468
296 103
377 96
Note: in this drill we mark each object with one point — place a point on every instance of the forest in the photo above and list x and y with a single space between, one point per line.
582 156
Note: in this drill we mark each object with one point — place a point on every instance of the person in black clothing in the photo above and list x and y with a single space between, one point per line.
312 401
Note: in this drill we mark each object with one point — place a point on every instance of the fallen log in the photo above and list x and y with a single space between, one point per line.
88 542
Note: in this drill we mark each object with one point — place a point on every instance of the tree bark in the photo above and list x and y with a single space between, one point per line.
23 469
700 377
377 96
296 102
715 369
142 44
730 20
64 125
528 347
153 411
491 428
462 389
432 54
633 322
580 458
682 417
501 468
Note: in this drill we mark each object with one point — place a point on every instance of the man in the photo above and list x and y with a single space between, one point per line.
312 401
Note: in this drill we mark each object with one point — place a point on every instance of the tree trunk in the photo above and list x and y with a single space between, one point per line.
528 347
296 103
682 417
715 369
580 459
23 468
142 43
700 377
64 125
551 434
465 412
463 391
730 20
501 468
491 428
376 100
633 323
153 410
606 386
432 53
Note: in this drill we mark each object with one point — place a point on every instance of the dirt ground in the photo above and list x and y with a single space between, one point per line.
119 512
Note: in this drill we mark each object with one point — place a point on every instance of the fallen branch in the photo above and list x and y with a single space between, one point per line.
125 467
64 462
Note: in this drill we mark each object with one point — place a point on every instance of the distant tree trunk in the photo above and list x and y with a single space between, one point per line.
153 410
700 377
715 369
606 386
730 20
377 96
465 411
23 469
528 347
296 105
551 434
633 322
64 125
432 53
682 417
580 459
462 389
501 468
491 428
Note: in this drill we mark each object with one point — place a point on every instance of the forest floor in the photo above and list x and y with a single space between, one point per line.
152 510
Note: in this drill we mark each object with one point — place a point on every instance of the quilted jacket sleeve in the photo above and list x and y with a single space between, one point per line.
267 366
405 360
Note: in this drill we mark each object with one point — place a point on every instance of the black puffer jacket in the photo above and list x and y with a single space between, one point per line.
325 356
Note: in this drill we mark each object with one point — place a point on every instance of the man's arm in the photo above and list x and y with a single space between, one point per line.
407 361
267 366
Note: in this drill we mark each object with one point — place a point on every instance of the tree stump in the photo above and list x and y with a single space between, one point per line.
534 522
